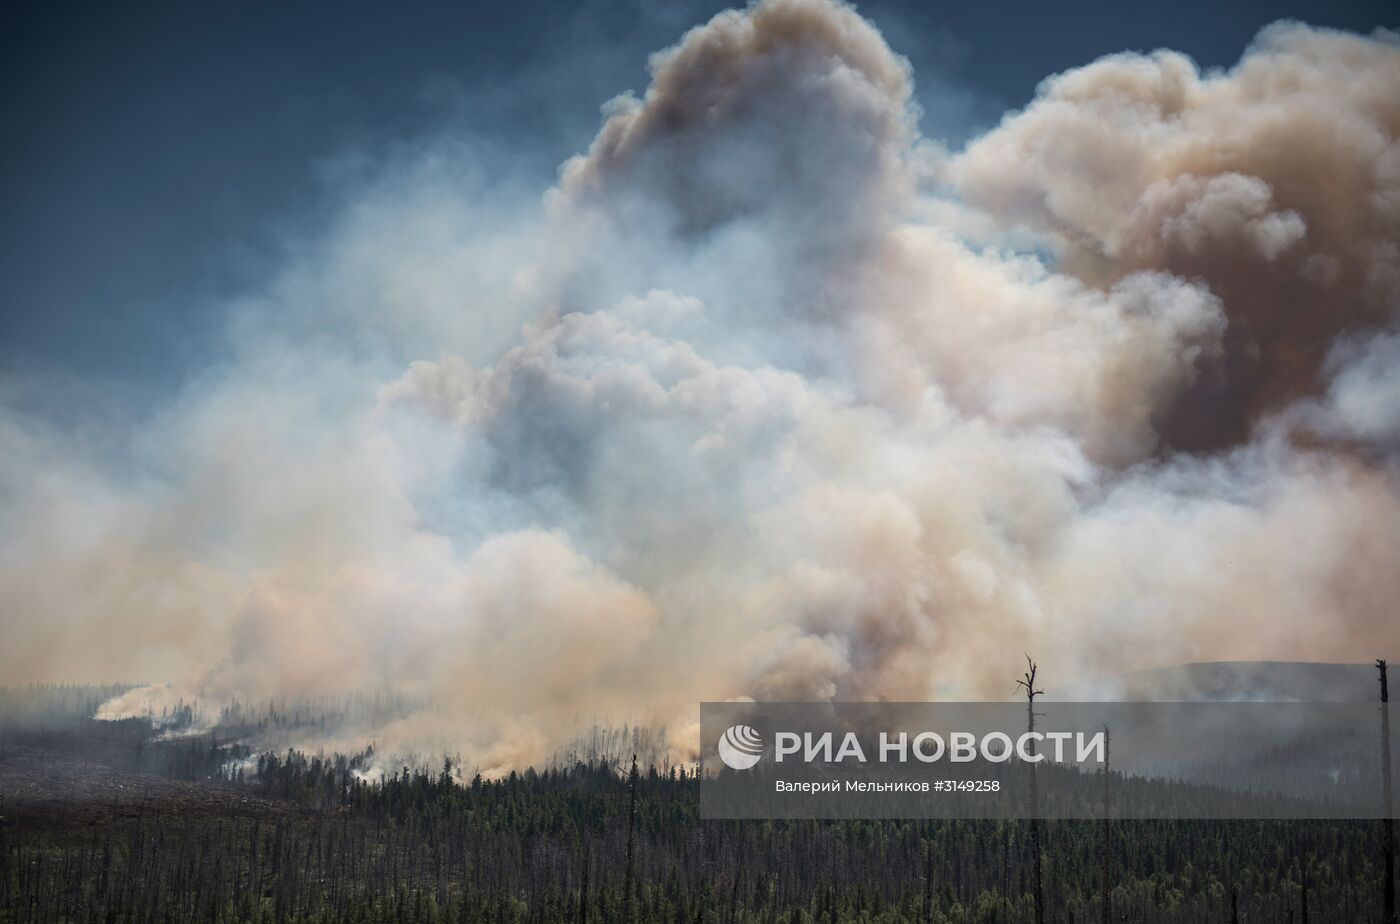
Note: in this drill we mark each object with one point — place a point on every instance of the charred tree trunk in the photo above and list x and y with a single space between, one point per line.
704 886
628 873
1028 684
1107 831
928 881
1006 871
1388 822
583 889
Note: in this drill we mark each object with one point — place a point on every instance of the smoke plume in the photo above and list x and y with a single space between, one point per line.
772 397
1276 183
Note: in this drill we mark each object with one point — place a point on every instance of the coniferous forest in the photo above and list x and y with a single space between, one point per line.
468 424
106 822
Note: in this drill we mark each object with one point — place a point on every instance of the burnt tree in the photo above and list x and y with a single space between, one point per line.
1388 822
1027 683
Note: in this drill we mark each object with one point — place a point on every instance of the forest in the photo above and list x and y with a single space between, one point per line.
155 826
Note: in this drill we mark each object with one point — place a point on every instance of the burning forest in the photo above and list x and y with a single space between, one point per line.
838 359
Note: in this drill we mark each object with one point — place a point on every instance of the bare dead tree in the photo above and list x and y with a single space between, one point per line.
1005 871
703 887
1388 822
583 889
928 881
1027 683
1107 830
628 874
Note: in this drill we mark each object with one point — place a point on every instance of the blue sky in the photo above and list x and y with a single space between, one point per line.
159 155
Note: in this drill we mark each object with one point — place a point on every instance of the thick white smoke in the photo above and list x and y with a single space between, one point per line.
732 415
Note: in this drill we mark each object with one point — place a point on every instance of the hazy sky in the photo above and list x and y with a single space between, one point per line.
159 156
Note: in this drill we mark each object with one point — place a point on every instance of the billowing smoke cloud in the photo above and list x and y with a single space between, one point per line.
744 410
1276 183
